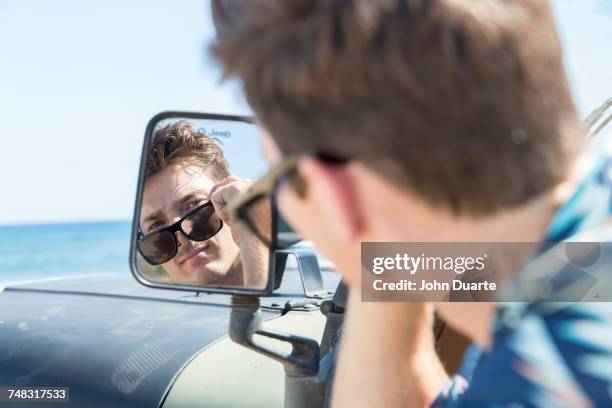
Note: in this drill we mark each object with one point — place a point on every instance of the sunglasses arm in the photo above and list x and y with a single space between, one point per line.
304 387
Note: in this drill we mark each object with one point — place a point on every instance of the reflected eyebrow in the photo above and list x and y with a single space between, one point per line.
154 215
180 203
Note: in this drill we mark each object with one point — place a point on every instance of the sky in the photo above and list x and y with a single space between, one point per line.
80 80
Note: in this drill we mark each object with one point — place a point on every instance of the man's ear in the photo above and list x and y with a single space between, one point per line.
332 189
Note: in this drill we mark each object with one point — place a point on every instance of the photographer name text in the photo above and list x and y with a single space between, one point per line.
411 265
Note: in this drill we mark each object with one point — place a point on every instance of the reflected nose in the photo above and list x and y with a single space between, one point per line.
181 238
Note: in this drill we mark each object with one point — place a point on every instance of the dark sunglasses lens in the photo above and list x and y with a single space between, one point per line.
285 236
202 224
158 248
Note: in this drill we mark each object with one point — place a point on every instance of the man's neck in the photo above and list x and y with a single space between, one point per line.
235 275
420 223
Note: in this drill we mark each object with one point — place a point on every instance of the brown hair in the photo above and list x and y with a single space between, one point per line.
181 143
464 102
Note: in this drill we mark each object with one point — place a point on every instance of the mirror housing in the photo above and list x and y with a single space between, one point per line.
274 263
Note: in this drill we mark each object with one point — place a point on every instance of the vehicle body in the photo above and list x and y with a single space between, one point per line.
114 342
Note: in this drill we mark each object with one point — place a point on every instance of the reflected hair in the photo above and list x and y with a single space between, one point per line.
181 143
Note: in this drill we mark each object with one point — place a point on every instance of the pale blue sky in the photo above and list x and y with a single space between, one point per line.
80 79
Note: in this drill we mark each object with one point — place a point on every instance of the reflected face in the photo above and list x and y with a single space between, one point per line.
168 196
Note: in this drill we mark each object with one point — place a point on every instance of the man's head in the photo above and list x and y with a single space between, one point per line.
460 107
182 168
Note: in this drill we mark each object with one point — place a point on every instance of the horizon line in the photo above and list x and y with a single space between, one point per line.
63 222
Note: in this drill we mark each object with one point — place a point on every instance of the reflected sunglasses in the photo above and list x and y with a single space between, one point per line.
263 192
199 224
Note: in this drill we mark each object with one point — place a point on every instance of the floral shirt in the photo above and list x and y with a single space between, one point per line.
550 354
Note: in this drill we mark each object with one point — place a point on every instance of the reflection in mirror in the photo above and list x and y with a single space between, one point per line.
194 168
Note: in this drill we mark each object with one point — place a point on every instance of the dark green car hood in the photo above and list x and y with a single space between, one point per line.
110 340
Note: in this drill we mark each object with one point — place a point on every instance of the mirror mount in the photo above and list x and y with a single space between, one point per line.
310 272
303 385
245 323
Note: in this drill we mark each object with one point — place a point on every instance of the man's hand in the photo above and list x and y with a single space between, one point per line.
253 252
387 356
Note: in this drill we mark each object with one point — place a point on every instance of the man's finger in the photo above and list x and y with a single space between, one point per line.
222 183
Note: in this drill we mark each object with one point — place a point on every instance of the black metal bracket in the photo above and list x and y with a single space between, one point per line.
245 323
334 312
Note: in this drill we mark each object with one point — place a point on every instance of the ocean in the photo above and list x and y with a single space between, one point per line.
29 252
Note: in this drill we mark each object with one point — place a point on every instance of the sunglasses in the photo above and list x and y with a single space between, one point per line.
263 193
199 224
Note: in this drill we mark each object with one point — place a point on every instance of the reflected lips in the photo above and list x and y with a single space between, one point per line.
194 253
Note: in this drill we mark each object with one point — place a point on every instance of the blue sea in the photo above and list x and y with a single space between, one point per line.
29 252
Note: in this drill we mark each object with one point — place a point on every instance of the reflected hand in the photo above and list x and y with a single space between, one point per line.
223 193
253 252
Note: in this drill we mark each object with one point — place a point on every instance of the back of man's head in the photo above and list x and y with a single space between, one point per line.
462 102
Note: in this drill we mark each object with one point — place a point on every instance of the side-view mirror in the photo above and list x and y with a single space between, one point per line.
192 166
